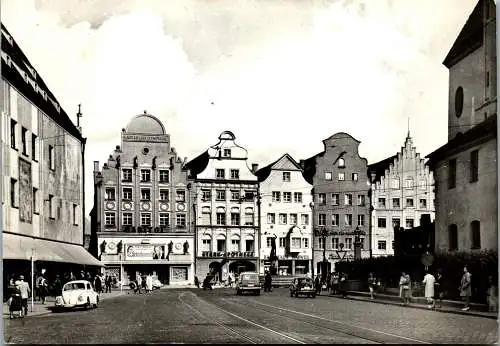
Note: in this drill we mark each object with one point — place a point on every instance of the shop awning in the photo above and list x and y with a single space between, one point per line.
22 248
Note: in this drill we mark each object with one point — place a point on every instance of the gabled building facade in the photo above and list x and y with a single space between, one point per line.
286 218
226 208
42 174
402 193
466 168
143 215
341 211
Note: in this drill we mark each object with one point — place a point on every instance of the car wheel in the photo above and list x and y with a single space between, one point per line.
88 305
238 292
296 294
257 292
291 294
96 302
314 295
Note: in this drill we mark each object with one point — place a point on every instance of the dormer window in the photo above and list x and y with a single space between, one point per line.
227 152
286 176
341 163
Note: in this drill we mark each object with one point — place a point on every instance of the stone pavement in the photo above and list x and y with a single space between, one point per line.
449 306
42 309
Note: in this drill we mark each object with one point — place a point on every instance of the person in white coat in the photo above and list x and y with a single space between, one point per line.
429 281
149 283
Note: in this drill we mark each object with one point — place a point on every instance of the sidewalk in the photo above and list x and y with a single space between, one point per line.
449 306
43 309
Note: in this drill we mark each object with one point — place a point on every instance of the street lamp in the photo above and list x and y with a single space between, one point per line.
357 243
324 267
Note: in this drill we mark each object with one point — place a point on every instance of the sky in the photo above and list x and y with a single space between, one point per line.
282 75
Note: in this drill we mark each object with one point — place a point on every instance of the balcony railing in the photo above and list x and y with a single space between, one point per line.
234 254
147 229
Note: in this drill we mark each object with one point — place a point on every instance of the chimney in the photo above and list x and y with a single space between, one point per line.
302 163
96 166
118 149
255 167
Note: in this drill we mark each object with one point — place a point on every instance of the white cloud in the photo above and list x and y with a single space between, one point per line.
282 75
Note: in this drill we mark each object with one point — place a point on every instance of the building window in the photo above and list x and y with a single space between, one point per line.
164 176
296 243
293 219
283 219
328 175
453 237
381 202
409 223
335 220
348 199
348 243
286 176
287 197
145 175
23 140
249 217
276 196
13 193
52 207
227 152
269 241
5 104
304 218
475 228
180 196
335 199
33 146
75 215
180 220
393 244
35 200
52 163
452 173
127 193
341 163
220 195
395 203
219 173
297 197
321 243
235 245
395 183
335 243
423 204
282 241
361 200
13 124
361 220
249 245
271 218
409 183
110 193
322 198
164 219
305 243
321 219
110 219
206 195
235 219
409 203
362 243
396 222
221 245
355 176
235 174
145 219
348 219
381 245
221 219
206 245
145 194
474 166
164 195
127 219
341 176
381 222
422 184
127 175
235 195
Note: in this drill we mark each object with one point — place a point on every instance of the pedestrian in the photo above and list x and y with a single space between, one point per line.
25 291
267 282
438 290
88 277
429 282
37 286
107 282
98 284
207 282
465 289
343 284
335 283
149 283
492 295
404 288
317 285
372 282
139 283
229 280
43 289
196 282
143 280
15 301
57 286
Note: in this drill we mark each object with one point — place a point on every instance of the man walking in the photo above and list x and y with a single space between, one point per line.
465 289
24 288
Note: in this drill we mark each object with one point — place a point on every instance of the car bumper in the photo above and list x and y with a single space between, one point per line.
69 306
251 288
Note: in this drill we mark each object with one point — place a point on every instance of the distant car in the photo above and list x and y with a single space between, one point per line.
302 286
156 283
248 282
78 294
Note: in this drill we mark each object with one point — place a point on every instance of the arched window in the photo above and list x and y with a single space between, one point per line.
341 163
475 230
453 237
235 242
206 216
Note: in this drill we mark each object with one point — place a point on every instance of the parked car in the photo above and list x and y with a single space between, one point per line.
156 283
248 282
302 286
78 293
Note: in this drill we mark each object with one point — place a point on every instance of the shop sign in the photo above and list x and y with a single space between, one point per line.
318 234
282 257
148 252
142 138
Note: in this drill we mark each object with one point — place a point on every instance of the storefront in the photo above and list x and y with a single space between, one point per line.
170 259
287 265
221 267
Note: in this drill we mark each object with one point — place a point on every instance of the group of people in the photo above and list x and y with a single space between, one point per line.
19 292
335 283
143 282
107 281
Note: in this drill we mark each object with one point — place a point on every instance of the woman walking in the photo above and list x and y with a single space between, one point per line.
465 289
404 288
372 282
438 290
429 281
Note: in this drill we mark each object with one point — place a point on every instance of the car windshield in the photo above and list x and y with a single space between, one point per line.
305 282
250 277
74 286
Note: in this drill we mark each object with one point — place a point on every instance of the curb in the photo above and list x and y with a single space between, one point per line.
414 306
